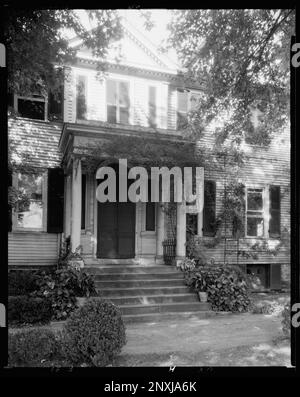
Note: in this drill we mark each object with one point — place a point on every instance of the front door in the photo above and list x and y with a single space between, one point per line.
116 230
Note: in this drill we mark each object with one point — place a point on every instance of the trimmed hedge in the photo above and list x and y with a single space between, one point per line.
28 310
94 334
22 282
31 347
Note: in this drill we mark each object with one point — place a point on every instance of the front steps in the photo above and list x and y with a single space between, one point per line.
148 293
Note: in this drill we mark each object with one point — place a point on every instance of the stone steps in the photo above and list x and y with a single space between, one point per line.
147 293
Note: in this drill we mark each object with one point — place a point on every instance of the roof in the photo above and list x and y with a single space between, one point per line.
36 140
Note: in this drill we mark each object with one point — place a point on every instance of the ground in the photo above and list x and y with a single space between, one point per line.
247 339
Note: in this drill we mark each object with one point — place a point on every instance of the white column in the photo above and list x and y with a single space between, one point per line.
68 205
76 204
160 230
180 231
200 201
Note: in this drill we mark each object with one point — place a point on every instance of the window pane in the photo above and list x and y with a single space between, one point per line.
194 101
30 215
182 101
255 227
31 109
111 114
124 94
81 98
181 120
255 200
111 92
124 115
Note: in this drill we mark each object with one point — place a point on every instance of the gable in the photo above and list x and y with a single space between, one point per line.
133 49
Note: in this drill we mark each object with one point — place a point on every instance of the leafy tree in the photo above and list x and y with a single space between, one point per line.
38 48
242 58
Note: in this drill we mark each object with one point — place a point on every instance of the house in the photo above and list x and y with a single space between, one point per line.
143 95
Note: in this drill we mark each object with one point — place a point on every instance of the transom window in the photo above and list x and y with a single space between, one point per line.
29 214
118 103
255 213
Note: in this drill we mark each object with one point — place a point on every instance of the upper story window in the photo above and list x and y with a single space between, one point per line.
81 95
152 106
33 107
186 102
117 100
255 213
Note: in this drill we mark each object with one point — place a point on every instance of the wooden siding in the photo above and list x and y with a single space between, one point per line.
27 248
38 140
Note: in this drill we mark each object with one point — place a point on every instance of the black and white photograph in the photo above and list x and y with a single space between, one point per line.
149 188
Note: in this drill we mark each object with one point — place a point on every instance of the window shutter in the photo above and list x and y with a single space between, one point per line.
274 223
209 210
9 183
55 211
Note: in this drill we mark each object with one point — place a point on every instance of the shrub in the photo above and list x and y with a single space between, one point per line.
94 334
31 347
286 320
62 287
22 282
225 285
28 310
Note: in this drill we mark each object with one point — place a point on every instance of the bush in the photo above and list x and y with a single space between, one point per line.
286 320
22 282
94 334
31 347
28 310
226 287
62 287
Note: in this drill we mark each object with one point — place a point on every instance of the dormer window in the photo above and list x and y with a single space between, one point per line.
33 107
118 103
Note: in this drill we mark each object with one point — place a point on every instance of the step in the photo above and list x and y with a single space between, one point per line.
119 269
152 299
168 316
118 292
103 284
138 276
164 307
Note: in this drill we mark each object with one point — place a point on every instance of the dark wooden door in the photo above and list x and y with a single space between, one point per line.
116 230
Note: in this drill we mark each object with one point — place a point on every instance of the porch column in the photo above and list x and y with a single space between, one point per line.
160 223
180 231
68 204
200 201
76 204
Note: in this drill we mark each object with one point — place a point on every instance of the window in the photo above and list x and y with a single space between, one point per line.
150 210
186 102
209 210
81 108
29 213
117 99
152 107
255 213
34 107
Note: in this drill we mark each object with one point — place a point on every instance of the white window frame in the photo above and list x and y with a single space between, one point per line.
15 226
264 212
33 99
130 94
189 94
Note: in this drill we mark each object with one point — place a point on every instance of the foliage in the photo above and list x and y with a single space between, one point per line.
226 286
186 265
31 347
28 310
241 56
62 287
94 334
286 320
22 282
38 49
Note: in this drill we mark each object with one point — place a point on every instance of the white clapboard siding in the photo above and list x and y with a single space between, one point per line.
33 248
